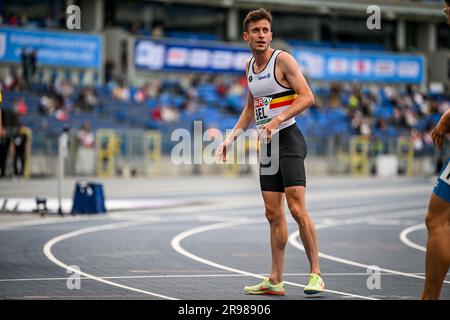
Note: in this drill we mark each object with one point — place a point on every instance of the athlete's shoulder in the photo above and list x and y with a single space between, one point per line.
286 62
284 56
247 64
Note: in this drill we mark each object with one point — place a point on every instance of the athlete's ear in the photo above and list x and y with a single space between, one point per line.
245 36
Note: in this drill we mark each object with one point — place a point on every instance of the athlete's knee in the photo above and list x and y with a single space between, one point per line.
299 214
273 213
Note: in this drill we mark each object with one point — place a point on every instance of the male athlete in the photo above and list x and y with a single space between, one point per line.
437 259
277 93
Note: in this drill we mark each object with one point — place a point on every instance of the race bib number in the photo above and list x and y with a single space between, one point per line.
445 175
262 107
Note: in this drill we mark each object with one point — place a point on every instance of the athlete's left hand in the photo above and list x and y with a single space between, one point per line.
269 129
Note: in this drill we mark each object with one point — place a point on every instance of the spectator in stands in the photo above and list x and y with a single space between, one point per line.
23 21
158 30
381 126
61 19
44 107
50 22
85 164
136 27
335 94
141 94
65 88
5 146
124 56
52 103
26 61
12 20
169 113
61 113
10 118
11 81
88 100
416 138
156 114
109 70
20 146
21 107
33 62
121 92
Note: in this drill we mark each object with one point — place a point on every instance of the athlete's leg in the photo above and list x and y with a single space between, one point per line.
274 208
437 260
295 196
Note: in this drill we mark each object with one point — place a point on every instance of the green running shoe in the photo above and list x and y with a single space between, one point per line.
265 287
315 284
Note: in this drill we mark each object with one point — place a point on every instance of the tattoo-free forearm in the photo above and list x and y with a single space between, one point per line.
243 123
300 104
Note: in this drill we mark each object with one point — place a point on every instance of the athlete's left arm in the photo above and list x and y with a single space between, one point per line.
305 98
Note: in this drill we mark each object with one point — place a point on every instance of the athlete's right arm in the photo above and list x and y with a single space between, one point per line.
243 123
441 129
245 119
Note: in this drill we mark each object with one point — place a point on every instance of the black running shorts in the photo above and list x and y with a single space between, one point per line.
291 156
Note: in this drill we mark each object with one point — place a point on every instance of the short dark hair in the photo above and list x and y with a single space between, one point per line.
447 2
258 14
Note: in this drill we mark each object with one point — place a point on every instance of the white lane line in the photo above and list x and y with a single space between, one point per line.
44 221
404 236
48 253
204 208
175 243
295 242
64 266
223 275
360 209
206 211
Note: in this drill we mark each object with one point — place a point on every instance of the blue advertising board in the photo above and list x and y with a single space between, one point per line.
69 49
338 65
155 55
317 64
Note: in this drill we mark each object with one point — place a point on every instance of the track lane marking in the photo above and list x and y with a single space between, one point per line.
295 243
47 249
404 236
175 243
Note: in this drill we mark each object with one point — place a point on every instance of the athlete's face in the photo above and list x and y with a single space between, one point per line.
447 13
258 35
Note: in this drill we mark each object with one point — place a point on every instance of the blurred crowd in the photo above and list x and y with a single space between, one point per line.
388 110
13 19
168 97
370 110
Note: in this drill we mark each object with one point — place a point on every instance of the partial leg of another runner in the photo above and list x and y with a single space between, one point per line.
437 260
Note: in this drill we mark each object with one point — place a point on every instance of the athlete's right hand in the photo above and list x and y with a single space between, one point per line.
221 152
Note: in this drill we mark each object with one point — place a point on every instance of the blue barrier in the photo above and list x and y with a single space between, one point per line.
88 198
